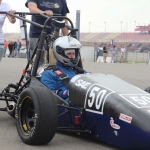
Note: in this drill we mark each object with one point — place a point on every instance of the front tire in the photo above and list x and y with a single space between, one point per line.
36 116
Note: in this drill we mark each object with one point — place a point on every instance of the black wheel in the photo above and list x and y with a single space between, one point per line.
147 89
36 116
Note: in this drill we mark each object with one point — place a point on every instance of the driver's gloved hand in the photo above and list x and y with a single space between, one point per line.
78 70
63 93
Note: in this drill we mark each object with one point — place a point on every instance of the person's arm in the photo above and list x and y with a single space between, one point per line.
34 9
64 12
65 30
49 80
11 18
63 93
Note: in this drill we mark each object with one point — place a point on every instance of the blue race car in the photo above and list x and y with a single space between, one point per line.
97 106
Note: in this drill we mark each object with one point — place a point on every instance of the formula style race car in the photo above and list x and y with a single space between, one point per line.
98 107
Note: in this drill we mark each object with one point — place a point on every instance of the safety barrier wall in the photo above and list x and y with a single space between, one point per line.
89 53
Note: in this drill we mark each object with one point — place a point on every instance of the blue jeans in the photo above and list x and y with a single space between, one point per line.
5 51
18 50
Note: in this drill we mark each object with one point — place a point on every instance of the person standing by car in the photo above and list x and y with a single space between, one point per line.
49 8
5 47
114 51
18 46
105 53
66 67
4 7
14 49
123 50
10 47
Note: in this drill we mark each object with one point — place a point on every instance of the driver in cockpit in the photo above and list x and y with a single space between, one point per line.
66 51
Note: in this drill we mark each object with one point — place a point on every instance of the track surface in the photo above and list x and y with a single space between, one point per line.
10 72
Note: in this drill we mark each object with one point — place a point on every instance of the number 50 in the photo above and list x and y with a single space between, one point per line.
97 96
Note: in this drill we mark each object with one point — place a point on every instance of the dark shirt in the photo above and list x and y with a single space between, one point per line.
104 49
10 46
18 45
57 6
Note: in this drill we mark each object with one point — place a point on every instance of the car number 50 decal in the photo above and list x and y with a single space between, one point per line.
138 100
95 98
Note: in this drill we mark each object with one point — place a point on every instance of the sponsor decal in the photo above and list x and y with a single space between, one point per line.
49 5
58 72
56 5
137 100
113 125
95 98
116 133
125 118
72 45
83 84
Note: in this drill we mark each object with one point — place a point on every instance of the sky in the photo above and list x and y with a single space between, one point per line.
98 15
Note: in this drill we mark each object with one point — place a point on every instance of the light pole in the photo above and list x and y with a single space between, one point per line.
105 26
134 25
89 26
121 26
126 33
144 28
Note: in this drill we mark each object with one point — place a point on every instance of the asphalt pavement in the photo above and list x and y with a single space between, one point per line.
10 72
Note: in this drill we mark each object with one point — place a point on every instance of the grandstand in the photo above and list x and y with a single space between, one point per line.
137 40
143 29
132 41
14 37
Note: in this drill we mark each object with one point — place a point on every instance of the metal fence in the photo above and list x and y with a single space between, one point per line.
134 57
130 57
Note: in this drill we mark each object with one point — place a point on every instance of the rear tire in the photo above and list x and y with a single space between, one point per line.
36 116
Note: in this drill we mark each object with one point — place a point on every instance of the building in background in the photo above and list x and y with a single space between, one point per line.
143 29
